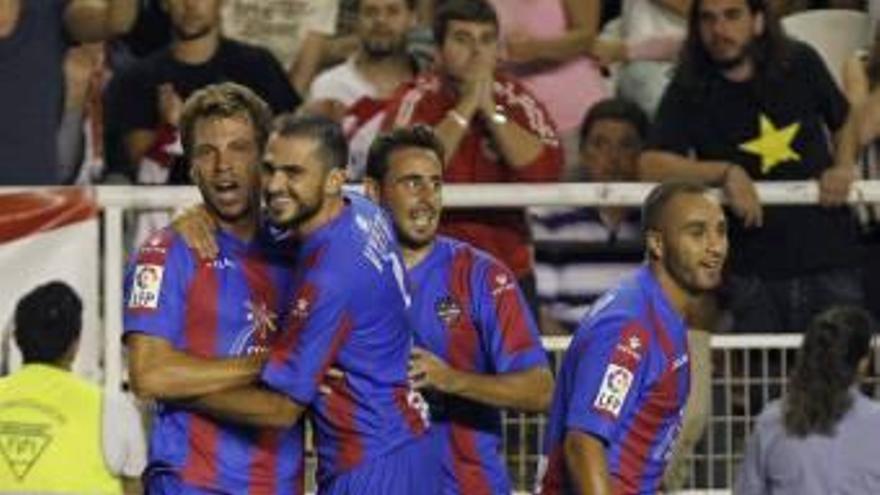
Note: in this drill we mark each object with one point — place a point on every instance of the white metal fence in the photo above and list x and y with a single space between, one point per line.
747 370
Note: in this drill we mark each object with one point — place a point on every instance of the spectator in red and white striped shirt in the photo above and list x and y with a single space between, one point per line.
494 130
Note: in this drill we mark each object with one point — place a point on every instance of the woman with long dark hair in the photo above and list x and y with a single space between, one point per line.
824 436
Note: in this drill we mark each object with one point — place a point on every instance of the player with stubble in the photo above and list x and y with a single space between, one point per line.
348 314
625 378
478 347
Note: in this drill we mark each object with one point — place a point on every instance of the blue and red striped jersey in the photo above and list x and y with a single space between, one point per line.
349 311
227 306
625 380
469 311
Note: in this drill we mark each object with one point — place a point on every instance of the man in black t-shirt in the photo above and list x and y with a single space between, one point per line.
144 101
749 104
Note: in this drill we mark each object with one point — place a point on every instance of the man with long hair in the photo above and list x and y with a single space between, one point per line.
749 104
822 436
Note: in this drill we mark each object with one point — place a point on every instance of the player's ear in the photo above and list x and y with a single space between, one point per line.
335 181
371 189
654 244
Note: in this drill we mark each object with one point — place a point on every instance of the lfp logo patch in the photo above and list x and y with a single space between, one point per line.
146 286
615 387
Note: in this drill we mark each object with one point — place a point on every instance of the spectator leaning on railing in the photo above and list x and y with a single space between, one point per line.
749 104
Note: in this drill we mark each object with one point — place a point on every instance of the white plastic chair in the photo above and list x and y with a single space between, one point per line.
834 33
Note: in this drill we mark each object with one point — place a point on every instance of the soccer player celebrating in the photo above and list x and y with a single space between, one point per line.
349 311
479 349
194 326
625 378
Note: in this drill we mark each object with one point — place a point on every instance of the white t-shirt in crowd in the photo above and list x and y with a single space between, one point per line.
278 25
645 19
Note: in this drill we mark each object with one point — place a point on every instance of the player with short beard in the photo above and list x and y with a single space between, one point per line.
478 346
625 378
749 104
348 312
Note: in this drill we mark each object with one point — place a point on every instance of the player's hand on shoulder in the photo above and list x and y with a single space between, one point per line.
426 370
197 227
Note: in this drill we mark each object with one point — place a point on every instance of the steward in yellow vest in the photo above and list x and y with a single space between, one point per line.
50 419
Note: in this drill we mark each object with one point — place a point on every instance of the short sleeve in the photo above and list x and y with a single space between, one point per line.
505 322
670 129
833 105
610 370
154 292
123 436
317 326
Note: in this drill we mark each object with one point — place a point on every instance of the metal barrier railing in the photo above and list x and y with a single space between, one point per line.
748 371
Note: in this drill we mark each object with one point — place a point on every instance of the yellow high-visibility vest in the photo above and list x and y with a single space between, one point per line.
50 434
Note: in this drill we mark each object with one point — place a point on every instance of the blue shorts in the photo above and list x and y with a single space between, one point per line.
413 468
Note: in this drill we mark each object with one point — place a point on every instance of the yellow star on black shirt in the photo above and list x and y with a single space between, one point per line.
773 145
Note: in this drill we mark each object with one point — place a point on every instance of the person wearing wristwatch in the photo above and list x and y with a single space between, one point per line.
493 129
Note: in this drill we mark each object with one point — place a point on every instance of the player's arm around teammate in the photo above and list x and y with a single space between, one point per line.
528 391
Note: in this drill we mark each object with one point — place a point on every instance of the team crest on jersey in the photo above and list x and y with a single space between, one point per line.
448 310
615 387
146 287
